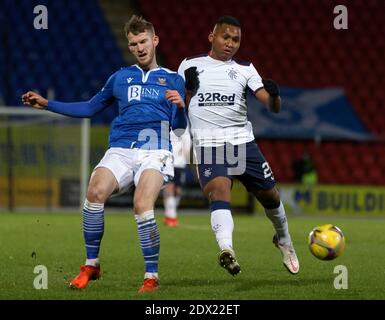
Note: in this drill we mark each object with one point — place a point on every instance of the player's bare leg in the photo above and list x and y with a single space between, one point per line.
275 211
146 193
102 185
218 191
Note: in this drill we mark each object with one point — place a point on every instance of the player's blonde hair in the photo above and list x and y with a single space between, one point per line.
138 24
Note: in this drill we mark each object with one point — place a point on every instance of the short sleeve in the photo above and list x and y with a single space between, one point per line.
182 68
254 81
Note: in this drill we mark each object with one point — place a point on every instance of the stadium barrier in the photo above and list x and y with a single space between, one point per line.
332 200
38 151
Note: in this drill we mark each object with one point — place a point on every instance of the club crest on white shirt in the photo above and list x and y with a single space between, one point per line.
232 73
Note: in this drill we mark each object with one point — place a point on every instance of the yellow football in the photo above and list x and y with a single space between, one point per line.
326 242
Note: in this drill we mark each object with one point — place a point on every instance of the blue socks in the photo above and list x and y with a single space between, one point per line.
149 240
93 229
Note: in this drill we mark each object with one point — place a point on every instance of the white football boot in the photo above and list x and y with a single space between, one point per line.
289 258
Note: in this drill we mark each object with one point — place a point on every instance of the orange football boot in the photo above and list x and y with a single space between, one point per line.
171 222
149 284
86 273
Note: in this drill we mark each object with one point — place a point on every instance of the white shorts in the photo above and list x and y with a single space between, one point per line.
127 165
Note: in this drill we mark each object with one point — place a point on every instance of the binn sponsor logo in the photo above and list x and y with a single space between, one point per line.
138 92
210 99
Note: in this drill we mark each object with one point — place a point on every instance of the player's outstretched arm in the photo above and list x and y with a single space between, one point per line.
83 109
35 100
269 95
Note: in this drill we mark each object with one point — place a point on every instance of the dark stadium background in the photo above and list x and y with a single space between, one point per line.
293 42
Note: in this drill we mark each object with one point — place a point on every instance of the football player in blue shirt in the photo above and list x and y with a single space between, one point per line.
151 100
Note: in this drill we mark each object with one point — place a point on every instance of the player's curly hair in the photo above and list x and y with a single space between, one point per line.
138 24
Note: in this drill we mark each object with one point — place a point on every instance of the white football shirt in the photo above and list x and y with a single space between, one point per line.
218 112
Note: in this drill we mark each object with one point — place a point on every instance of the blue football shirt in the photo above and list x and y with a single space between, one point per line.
145 115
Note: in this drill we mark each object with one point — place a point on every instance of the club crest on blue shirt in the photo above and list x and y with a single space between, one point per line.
162 81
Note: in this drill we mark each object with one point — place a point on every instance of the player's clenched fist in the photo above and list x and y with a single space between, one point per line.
174 97
35 100
271 87
192 80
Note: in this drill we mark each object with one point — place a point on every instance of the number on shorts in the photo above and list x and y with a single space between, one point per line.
267 173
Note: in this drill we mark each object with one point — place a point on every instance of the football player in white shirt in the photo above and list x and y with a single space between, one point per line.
172 193
222 133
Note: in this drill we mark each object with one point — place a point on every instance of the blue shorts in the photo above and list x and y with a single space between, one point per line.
244 162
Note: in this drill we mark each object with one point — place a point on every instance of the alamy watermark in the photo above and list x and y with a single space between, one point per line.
341 280
41 280
209 147
341 20
41 19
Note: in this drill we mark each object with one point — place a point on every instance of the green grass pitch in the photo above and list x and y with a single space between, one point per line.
188 262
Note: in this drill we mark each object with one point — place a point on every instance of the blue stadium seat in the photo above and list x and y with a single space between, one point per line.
74 56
